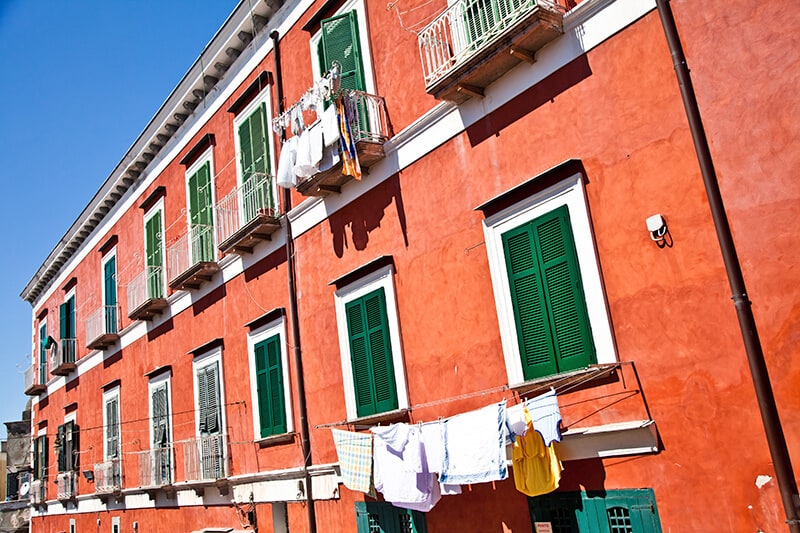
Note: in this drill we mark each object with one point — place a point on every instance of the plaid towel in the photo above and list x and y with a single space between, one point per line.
355 459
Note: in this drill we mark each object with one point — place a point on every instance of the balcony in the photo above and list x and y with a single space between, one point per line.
108 477
146 294
34 385
205 460
190 261
38 492
248 215
102 328
474 42
67 486
63 360
155 468
369 126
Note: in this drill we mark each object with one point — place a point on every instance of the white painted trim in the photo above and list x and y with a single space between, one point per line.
199 363
109 395
206 157
363 41
380 279
568 192
276 327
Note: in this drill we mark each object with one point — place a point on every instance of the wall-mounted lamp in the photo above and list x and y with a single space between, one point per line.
89 475
659 233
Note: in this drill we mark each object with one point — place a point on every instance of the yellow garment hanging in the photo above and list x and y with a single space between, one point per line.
537 469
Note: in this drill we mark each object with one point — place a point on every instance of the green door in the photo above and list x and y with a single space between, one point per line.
614 511
254 159
201 218
110 294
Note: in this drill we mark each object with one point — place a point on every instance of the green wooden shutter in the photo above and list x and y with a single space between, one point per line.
112 428
371 354
201 214
62 449
71 317
340 43
110 286
479 17
383 517
63 321
550 313
154 255
40 453
269 387
254 156
42 354
160 421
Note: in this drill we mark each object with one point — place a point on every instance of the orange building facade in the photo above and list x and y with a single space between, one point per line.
198 331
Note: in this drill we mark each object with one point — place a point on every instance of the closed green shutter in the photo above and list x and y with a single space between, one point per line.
110 294
112 428
340 43
208 399
201 216
160 419
71 318
552 322
154 256
43 354
269 387
254 156
63 321
383 517
613 511
371 354
62 449
40 457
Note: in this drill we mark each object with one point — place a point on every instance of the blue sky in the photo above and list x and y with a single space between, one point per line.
80 80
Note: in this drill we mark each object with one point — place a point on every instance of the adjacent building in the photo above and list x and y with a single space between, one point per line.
512 205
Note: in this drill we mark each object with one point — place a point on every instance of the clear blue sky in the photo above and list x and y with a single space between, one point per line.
79 81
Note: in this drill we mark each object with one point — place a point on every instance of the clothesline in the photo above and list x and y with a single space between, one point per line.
323 89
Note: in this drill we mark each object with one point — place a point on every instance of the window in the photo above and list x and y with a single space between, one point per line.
199 192
43 346
40 457
154 253
210 416
66 314
110 292
110 474
67 447
343 38
160 431
115 527
369 340
613 511
547 287
383 517
72 527
272 415
252 126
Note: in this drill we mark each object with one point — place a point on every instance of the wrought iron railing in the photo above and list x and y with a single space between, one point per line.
108 476
102 322
65 353
148 285
196 246
155 467
254 197
368 118
38 491
33 377
66 485
205 457
464 28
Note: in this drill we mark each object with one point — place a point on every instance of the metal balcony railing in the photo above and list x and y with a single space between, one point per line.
205 458
467 26
108 476
155 467
38 491
33 383
102 326
66 485
147 285
195 247
64 357
254 203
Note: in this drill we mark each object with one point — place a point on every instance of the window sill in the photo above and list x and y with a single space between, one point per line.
397 415
574 380
274 440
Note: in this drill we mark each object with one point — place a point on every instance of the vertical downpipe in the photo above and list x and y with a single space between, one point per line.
305 442
755 355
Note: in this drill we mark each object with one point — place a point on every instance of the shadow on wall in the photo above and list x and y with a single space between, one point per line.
365 214
537 95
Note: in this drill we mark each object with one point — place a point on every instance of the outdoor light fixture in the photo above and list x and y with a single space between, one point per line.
659 233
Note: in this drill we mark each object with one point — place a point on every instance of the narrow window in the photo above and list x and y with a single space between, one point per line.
201 219
154 256
269 385
340 43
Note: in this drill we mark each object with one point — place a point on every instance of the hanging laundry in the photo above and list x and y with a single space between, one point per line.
286 177
546 416
474 445
330 127
516 425
433 445
309 152
537 469
350 164
400 471
355 459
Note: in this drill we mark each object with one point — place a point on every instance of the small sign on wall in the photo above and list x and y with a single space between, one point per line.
543 527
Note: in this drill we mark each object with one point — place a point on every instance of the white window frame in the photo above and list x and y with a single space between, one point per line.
105 259
206 157
72 525
107 396
115 526
157 381
382 278
200 362
158 207
363 37
276 327
569 192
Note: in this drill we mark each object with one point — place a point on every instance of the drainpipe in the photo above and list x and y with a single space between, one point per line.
305 442
755 356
